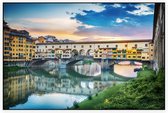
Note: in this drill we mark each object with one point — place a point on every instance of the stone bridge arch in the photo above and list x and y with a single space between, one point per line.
90 52
74 53
82 52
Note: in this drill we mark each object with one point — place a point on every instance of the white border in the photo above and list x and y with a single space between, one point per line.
76 111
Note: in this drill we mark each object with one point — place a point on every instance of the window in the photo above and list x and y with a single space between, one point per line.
151 55
74 46
90 46
96 56
100 55
134 56
45 46
66 46
98 46
125 45
146 45
116 46
81 46
143 57
135 45
139 56
151 49
118 55
37 46
107 45
129 56
52 46
59 46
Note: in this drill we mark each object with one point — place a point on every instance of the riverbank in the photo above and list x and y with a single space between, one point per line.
147 91
12 68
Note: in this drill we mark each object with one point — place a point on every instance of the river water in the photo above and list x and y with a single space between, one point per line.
45 88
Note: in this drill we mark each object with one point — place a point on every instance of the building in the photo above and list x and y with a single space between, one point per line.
128 49
18 45
40 39
51 39
6 42
159 36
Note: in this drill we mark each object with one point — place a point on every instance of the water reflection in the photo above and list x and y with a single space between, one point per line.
88 69
126 70
53 88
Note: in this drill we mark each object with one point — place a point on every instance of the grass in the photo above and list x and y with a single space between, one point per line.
12 68
147 91
99 99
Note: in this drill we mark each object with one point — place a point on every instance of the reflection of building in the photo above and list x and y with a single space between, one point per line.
159 36
18 46
17 89
131 49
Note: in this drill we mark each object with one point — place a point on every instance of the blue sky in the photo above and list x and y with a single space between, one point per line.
83 22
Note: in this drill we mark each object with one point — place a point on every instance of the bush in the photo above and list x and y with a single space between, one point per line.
90 97
76 105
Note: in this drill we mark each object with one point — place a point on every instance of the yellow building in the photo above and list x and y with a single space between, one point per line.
132 54
6 42
18 46
144 52
30 49
22 47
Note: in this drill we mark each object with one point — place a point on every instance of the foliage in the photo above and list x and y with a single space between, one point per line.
12 68
90 97
75 104
87 62
147 91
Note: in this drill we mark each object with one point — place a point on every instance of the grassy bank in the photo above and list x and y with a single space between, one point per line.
12 68
147 91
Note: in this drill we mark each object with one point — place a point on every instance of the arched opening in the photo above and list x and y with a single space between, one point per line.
90 52
74 53
82 52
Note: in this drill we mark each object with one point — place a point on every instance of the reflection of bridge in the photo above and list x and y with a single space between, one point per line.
69 81
68 86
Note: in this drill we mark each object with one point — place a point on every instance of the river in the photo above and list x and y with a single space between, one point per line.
45 88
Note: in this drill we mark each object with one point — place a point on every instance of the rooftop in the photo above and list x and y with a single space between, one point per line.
97 42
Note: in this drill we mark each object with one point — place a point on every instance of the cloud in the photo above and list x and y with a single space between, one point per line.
119 20
116 22
94 22
142 10
98 38
118 6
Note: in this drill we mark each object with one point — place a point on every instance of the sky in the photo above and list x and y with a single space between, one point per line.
83 22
